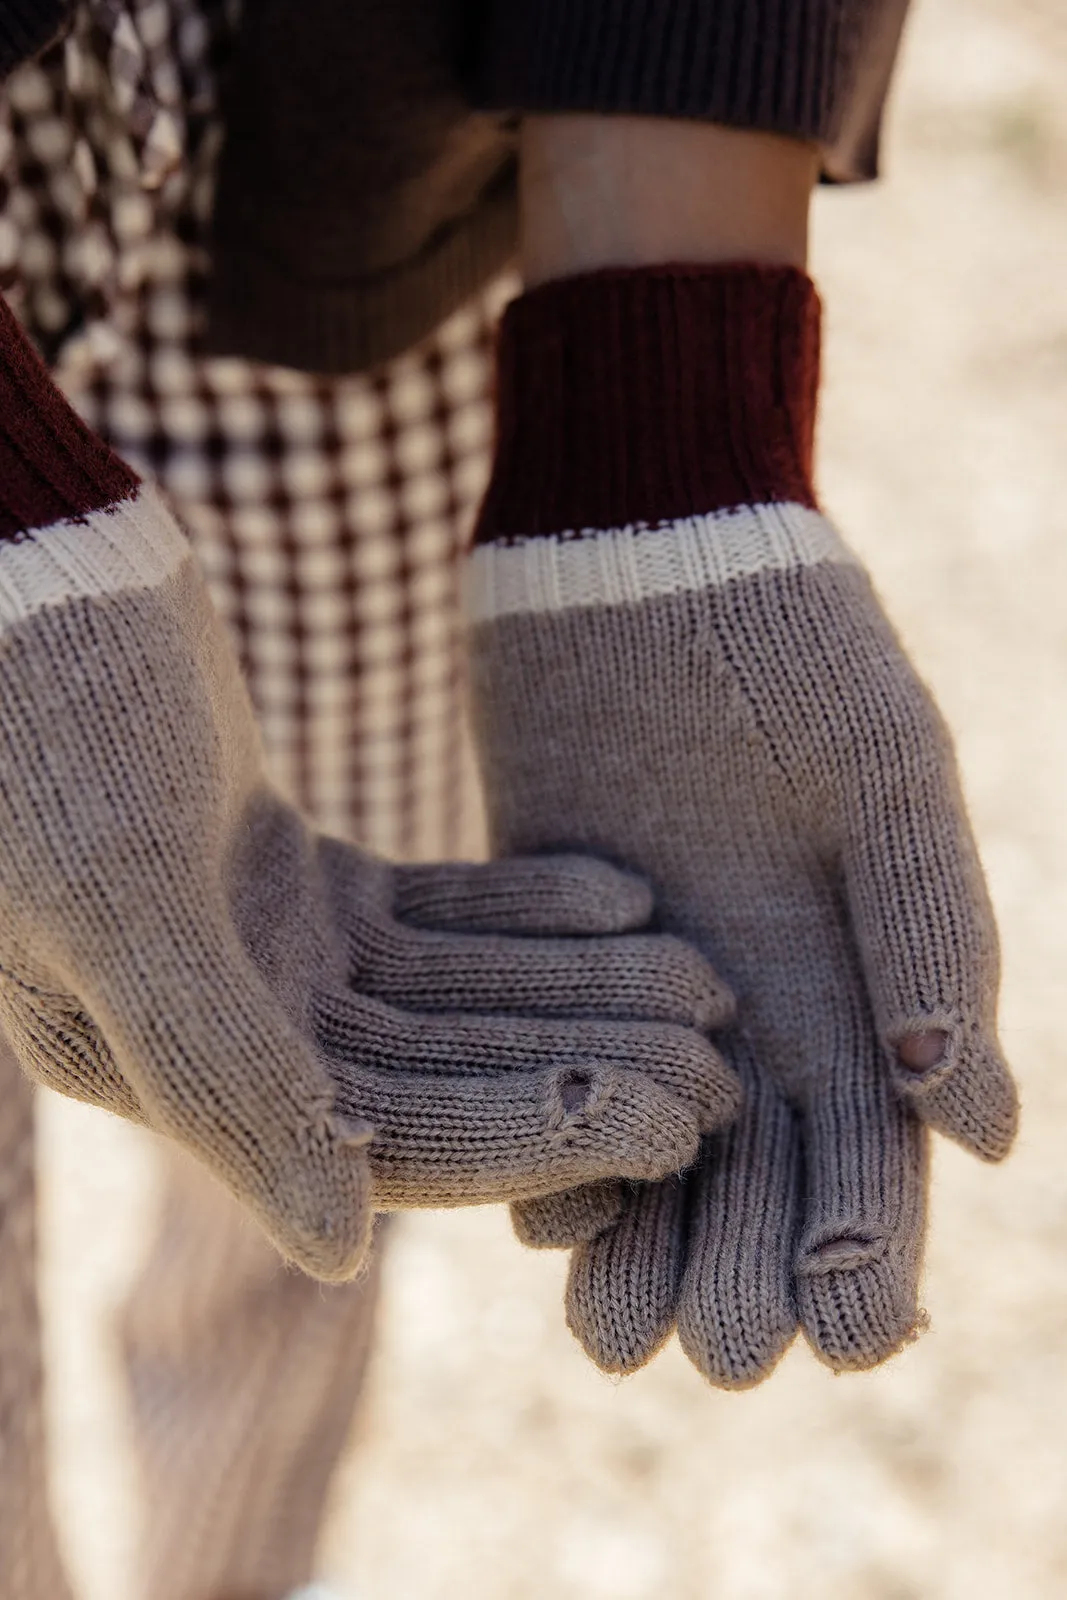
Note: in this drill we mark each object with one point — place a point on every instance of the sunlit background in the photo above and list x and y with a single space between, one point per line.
493 1463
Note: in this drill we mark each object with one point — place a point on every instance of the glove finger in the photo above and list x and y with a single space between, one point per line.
59 1046
969 1094
219 1065
922 917
651 978
559 1221
737 1313
550 895
622 1288
361 1031
441 1140
860 1251
647 977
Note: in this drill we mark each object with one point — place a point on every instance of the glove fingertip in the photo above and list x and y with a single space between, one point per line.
561 1221
969 1094
578 896
725 1097
860 1316
320 1210
735 1352
551 895
620 901
619 1332
622 1290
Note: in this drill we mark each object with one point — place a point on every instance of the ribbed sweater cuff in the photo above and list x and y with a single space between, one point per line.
783 65
52 467
26 26
640 396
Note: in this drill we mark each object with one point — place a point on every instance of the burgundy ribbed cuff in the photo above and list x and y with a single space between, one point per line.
52 467
640 396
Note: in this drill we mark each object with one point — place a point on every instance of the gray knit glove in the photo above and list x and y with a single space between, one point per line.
678 664
176 945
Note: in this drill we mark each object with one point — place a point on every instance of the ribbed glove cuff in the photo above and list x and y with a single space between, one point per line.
52 467
638 396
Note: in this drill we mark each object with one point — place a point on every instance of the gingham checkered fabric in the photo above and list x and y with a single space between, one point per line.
329 516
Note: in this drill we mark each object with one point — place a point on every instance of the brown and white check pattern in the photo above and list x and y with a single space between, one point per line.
329 516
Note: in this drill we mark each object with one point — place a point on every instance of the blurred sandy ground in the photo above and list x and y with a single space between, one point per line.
494 1463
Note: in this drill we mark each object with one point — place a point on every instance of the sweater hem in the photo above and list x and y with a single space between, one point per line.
256 311
806 69
27 27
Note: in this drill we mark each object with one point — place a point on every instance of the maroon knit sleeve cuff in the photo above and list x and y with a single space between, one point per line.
642 396
52 467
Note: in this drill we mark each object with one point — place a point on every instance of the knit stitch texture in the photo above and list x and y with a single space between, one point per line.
328 1033
679 665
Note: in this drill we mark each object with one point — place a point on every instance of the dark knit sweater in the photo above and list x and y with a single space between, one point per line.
367 182
26 26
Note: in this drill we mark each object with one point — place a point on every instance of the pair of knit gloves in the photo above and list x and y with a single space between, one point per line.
678 671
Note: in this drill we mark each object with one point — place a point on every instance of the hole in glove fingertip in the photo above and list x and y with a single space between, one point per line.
575 1089
922 1052
958 1082
623 1124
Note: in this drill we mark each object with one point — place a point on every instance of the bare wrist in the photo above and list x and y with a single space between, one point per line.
640 191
